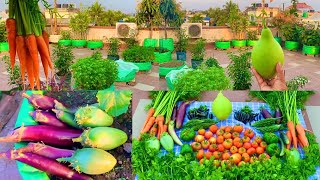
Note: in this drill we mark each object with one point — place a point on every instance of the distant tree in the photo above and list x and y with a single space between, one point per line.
294 9
169 10
217 16
96 12
110 18
79 23
148 13
196 18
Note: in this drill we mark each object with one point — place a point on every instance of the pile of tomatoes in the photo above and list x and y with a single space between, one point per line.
230 145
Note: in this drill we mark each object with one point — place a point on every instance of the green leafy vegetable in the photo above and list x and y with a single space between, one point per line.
197 124
187 134
114 103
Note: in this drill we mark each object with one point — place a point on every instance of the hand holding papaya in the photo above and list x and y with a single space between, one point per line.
276 84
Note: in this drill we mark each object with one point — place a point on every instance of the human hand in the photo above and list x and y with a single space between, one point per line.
276 84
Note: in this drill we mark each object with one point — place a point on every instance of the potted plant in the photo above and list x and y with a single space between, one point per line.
94 73
310 39
238 24
292 34
62 58
252 37
222 44
198 52
79 25
94 44
4 46
148 14
165 68
140 56
182 45
65 38
113 50
162 55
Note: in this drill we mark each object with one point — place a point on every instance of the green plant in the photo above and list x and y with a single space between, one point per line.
65 35
183 41
114 46
63 59
238 23
252 35
132 41
191 83
94 73
161 50
291 32
297 82
3 32
14 76
139 54
310 37
79 24
148 13
198 50
169 10
239 70
212 62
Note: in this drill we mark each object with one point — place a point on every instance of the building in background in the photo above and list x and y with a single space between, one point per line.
255 10
304 10
64 11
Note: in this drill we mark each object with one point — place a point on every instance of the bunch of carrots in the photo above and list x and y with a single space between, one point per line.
160 115
27 38
296 133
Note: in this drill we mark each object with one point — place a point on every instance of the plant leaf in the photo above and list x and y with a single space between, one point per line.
114 103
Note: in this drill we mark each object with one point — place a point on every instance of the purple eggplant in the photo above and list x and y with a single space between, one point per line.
278 115
54 136
47 165
66 117
181 113
59 106
265 113
47 118
174 113
40 101
46 151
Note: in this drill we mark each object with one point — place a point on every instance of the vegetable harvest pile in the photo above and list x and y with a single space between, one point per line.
230 149
27 37
80 138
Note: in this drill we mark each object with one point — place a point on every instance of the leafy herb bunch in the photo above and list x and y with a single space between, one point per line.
139 54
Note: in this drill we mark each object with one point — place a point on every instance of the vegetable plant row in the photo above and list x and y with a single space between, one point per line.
251 146
79 137
27 38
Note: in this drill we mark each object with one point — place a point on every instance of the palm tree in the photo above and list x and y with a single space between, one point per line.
169 10
148 10
96 12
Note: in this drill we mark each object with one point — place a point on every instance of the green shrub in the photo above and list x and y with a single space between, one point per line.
114 46
239 70
65 35
291 32
193 82
94 73
212 62
3 32
310 37
183 41
139 54
198 50
63 59
15 79
252 35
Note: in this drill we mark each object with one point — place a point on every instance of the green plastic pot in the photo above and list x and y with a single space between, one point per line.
239 43
252 43
311 50
150 42
79 43
162 57
278 39
170 84
167 44
4 47
94 44
163 71
128 78
291 45
143 66
223 44
63 42
196 63
113 57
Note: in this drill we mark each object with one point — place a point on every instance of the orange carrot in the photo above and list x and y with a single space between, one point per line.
293 133
302 135
149 114
12 31
33 49
44 54
46 36
290 139
154 130
300 143
148 125
159 133
165 128
29 67
22 55
160 121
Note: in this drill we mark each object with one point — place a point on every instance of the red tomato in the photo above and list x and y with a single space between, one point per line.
208 134
245 157
242 150
220 148
227 135
263 145
241 163
213 140
237 139
214 128
213 148
238 144
228 129
238 128
208 154
225 156
196 146
201 131
227 144
199 138
200 154
217 155
205 144
220 132
249 133
235 134
236 158
220 139
245 139
216 162
258 139
251 151
233 149
254 144
247 145
259 150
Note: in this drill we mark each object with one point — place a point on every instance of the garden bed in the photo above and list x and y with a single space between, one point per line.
166 67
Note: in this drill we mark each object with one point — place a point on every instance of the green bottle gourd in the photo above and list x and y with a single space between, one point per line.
267 54
221 107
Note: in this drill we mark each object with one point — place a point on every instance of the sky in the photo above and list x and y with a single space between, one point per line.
128 6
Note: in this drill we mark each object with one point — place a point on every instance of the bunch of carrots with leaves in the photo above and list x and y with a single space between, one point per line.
296 132
159 115
27 37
